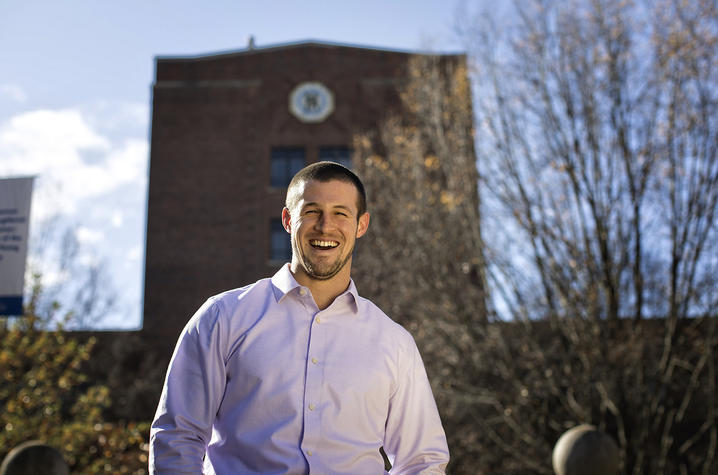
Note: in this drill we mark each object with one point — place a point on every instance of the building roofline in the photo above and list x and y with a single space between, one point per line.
297 44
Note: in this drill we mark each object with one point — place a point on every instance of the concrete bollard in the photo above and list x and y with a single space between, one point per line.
585 450
33 458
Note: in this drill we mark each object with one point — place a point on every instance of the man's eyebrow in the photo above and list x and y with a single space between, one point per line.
313 203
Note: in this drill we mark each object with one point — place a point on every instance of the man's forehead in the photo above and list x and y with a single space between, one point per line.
332 192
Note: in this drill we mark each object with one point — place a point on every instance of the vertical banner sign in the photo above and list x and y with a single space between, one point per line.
15 197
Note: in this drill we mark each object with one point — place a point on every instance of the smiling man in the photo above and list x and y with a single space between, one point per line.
299 374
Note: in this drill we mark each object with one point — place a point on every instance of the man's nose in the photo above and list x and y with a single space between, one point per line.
323 222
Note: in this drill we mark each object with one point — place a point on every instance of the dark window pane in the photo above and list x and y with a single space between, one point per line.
285 163
280 248
340 155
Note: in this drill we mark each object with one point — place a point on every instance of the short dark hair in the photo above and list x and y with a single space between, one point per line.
326 171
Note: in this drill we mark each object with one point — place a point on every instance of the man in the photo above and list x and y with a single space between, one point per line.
299 374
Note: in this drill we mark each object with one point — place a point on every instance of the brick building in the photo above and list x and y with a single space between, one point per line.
228 131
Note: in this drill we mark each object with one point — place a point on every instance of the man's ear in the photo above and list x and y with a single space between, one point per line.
287 220
363 224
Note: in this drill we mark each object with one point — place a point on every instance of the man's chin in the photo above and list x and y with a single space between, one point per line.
322 270
325 272
318 274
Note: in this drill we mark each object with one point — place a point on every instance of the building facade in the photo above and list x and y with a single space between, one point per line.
228 132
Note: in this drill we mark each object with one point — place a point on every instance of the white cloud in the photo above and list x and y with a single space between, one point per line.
88 259
112 115
134 253
117 219
86 235
13 92
48 138
73 161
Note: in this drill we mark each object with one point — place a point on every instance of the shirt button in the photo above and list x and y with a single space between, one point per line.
315 361
309 452
317 320
302 291
311 407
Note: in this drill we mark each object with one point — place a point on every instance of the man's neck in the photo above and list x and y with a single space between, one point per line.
323 291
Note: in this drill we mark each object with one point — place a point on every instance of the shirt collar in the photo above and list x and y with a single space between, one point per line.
284 283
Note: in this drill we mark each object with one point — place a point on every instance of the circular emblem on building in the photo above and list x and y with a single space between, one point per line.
311 102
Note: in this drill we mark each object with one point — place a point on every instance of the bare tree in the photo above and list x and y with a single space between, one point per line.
73 279
597 148
598 141
591 296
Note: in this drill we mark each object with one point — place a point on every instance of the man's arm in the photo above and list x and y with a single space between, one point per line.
414 437
191 396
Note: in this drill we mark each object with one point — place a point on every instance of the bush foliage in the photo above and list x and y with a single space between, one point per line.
46 395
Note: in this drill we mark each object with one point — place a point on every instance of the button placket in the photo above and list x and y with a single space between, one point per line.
313 385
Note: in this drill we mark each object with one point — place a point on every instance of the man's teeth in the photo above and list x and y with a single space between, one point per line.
324 244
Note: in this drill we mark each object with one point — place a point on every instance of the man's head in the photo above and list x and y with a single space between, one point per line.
325 214
323 172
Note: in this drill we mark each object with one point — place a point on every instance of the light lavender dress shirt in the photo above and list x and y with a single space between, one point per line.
263 382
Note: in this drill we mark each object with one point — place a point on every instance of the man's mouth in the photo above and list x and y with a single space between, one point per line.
323 244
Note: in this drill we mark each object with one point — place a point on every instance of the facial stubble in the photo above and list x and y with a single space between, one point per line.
312 271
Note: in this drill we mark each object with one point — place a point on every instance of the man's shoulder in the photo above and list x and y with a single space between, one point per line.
260 286
231 304
231 300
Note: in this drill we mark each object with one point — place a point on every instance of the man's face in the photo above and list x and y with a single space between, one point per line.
324 226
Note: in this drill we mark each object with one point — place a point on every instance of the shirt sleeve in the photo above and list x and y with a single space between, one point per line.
191 396
414 436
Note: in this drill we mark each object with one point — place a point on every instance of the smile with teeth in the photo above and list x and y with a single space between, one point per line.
321 244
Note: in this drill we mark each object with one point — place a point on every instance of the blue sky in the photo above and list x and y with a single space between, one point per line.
75 92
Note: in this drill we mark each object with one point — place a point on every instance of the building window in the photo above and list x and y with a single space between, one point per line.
280 248
340 155
285 163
